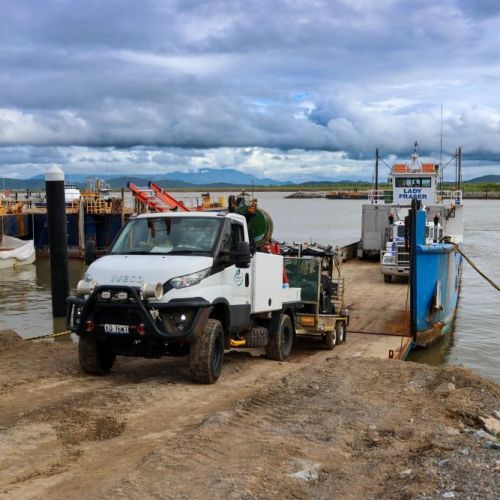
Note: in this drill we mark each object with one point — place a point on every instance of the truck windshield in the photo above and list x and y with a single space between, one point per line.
168 235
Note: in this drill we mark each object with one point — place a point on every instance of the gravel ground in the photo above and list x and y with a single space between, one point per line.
321 426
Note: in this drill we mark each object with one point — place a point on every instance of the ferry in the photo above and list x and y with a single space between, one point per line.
421 239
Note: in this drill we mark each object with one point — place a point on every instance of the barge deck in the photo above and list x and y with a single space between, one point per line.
379 312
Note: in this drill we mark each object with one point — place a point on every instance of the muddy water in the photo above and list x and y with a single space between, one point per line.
25 294
25 298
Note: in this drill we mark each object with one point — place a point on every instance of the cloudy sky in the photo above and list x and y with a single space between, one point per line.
289 89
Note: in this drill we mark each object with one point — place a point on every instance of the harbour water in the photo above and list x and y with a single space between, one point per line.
25 293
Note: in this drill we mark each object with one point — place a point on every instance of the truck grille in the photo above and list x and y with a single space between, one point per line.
403 256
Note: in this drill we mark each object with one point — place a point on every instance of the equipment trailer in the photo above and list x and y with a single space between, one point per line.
316 271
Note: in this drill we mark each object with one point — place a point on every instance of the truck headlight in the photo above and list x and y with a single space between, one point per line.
152 290
389 259
85 287
189 279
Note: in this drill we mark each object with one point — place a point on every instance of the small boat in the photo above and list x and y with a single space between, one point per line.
15 252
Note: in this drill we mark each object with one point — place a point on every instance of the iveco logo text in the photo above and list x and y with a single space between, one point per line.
126 278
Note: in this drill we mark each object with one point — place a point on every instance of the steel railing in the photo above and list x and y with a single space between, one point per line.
378 196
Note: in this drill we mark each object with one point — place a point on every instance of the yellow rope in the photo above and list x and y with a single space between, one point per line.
50 335
489 280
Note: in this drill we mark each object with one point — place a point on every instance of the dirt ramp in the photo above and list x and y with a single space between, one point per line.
322 426
332 431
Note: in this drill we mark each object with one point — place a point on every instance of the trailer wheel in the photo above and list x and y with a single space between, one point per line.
340 330
96 358
331 339
206 355
280 344
387 278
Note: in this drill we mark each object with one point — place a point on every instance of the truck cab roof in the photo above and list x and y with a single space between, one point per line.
219 214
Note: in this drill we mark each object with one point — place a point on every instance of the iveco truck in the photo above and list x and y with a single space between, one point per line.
175 283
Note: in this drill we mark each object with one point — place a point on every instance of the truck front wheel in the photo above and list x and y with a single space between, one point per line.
280 343
387 278
206 355
96 358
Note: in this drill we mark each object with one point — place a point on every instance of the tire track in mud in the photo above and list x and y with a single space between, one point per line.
233 450
303 425
140 403
146 431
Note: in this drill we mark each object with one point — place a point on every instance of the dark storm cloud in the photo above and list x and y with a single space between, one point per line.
334 76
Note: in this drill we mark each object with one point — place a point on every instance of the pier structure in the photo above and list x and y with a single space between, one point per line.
90 217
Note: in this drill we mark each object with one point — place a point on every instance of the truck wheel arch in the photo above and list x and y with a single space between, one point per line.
291 314
221 312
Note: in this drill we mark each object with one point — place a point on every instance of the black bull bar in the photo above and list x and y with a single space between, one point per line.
200 307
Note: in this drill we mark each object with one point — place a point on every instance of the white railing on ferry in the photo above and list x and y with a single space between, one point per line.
450 196
377 196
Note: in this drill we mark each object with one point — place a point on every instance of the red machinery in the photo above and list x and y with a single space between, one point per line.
155 198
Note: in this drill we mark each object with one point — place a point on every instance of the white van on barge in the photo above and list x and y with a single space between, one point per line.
183 282
395 259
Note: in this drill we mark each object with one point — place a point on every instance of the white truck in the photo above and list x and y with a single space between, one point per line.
175 283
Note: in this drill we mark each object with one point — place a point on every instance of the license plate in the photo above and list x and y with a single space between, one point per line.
116 329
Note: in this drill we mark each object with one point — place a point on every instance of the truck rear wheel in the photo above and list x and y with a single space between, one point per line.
206 355
280 343
96 358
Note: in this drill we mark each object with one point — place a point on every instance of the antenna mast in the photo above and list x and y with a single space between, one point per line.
441 148
441 139
459 176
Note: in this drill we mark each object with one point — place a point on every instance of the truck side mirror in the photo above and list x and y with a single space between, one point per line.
242 254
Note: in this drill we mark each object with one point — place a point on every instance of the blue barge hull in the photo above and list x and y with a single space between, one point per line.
435 286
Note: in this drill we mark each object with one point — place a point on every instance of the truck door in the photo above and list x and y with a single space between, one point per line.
236 281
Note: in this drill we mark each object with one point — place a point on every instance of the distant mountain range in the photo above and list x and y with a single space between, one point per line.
206 177
485 178
224 176
209 178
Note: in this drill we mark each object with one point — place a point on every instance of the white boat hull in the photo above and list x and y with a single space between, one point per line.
15 252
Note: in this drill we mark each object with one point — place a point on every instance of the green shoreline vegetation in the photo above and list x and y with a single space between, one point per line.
467 187
479 187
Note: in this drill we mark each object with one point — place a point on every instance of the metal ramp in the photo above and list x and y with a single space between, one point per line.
155 199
